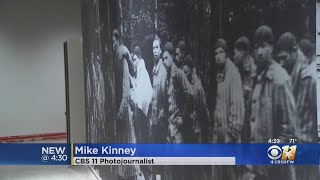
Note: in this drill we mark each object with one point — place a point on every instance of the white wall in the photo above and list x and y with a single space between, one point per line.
32 94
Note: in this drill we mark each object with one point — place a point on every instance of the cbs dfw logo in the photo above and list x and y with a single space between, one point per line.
284 155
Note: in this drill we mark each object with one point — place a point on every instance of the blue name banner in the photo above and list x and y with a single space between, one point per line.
35 154
160 154
244 154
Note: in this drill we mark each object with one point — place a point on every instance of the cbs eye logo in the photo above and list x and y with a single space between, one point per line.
286 152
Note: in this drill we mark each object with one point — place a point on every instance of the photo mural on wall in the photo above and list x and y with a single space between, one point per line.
318 58
200 71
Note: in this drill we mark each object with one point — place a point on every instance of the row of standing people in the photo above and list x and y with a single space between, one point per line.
278 82
155 113
269 94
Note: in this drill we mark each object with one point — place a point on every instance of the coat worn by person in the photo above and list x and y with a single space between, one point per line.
197 128
307 103
273 115
248 76
157 111
273 107
199 114
300 64
304 80
228 114
124 125
142 89
229 107
307 115
178 91
141 94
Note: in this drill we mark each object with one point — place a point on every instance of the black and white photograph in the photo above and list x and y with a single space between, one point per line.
201 72
318 59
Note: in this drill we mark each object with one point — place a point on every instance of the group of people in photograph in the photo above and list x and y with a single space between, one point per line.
265 90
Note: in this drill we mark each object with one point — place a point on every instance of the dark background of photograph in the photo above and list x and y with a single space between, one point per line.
202 22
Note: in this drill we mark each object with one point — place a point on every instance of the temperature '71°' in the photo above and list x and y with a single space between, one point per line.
292 141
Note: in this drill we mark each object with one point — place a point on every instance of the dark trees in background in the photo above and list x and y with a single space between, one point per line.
282 15
99 17
139 27
201 22
98 54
